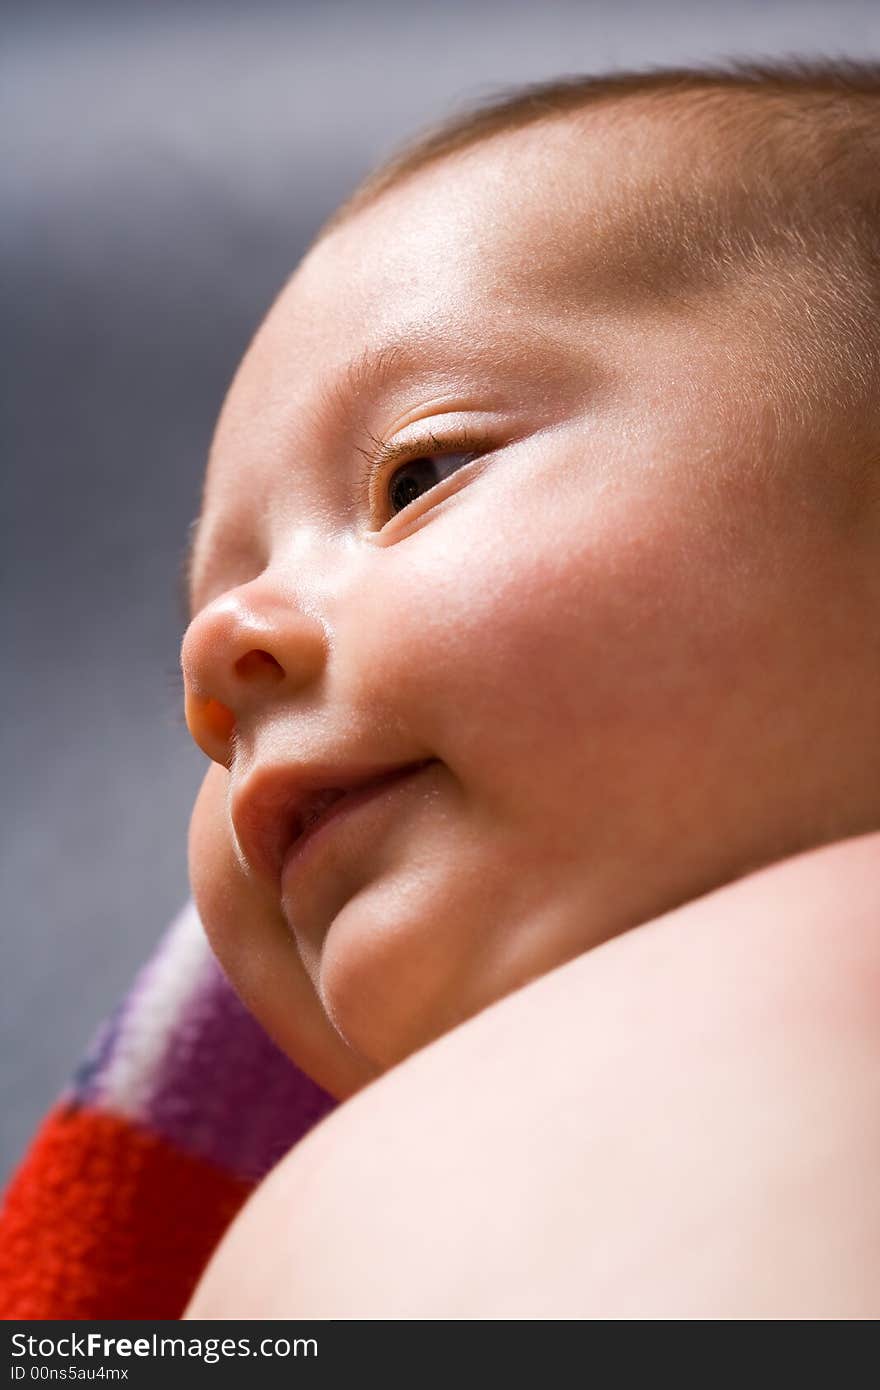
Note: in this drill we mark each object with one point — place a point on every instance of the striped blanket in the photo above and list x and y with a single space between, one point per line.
180 1107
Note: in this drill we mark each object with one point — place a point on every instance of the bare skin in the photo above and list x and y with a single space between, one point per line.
684 1122
632 624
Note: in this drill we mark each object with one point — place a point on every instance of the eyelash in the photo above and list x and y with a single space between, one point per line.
377 462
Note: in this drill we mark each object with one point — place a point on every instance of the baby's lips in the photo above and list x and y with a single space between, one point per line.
209 721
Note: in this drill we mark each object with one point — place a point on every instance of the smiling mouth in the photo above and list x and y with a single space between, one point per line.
330 803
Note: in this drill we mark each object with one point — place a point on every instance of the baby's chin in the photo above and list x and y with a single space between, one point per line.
387 990
426 934
406 960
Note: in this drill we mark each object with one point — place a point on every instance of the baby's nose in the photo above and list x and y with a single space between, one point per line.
238 654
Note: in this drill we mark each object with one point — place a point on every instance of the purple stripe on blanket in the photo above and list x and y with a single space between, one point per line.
125 1036
225 1091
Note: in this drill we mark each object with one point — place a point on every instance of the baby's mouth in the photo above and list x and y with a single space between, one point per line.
274 814
317 806
314 810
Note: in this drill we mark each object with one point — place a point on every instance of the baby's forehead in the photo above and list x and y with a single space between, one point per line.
516 253
502 265
617 201
526 238
512 252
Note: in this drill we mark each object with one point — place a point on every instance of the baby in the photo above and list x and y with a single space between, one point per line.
535 597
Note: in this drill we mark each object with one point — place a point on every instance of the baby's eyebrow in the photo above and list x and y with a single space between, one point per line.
373 366
364 375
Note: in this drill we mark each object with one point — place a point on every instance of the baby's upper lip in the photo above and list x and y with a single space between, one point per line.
270 808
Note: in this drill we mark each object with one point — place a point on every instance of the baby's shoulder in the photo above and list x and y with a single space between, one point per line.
682 1122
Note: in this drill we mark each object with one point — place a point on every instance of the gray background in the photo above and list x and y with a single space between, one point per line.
163 166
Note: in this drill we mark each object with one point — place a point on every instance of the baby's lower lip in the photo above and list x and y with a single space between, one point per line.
350 802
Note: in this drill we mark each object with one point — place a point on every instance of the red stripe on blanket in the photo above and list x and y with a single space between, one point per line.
104 1220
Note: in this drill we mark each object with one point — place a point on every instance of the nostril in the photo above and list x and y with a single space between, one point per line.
260 664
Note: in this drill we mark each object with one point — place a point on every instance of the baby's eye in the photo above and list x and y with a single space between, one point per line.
419 475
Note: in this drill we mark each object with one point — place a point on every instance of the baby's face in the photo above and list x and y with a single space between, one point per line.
621 611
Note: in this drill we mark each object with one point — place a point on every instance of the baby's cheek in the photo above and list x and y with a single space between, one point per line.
235 910
212 866
469 634
563 640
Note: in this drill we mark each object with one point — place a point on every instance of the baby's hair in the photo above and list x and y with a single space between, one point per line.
784 183
826 113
